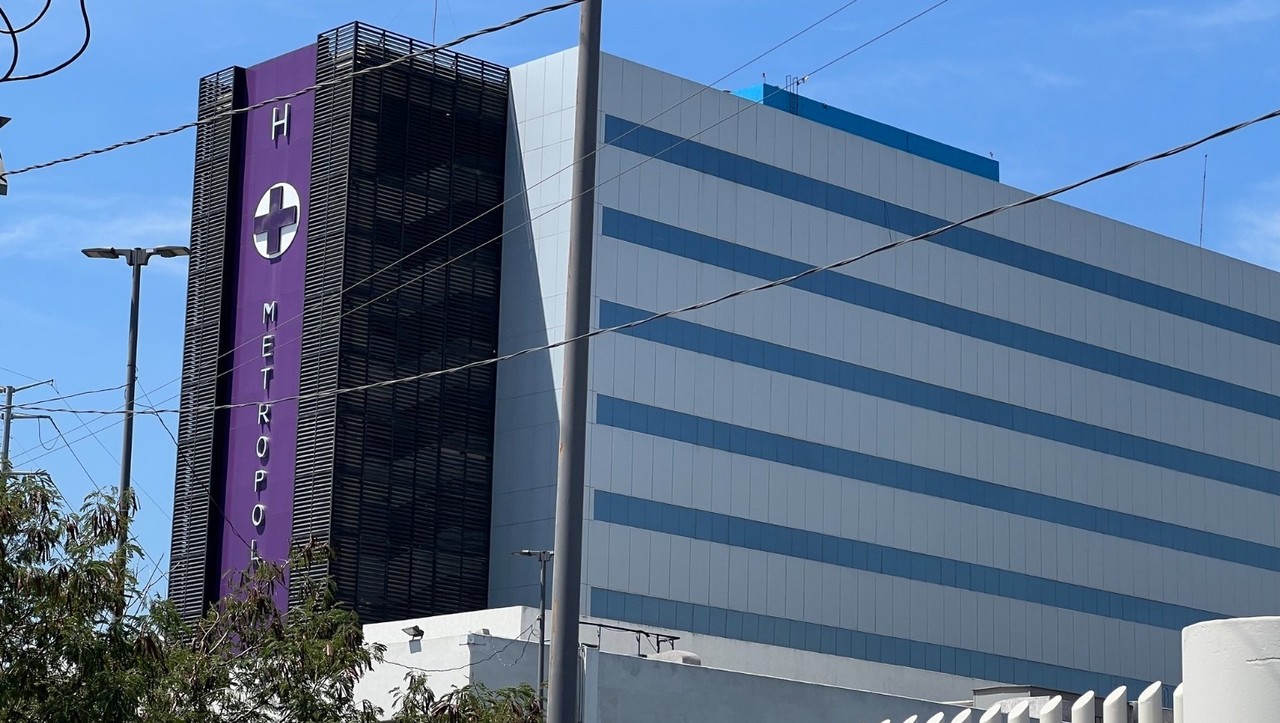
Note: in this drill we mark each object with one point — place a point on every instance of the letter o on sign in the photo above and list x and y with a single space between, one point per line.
263 446
259 514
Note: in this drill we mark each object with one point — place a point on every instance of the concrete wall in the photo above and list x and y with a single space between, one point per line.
617 685
636 689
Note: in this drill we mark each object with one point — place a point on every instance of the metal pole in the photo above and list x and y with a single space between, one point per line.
543 558
137 259
8 426
562 704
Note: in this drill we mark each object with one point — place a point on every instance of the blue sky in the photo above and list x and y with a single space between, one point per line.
1055 91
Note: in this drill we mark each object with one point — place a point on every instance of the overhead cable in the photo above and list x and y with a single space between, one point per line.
88 33
760 287
32 24
289 96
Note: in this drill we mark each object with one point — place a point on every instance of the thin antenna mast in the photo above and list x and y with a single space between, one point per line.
1204 189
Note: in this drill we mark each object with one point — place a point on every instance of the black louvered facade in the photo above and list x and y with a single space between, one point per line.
214 194
406 174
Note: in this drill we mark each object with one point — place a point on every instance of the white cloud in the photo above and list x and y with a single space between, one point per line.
43 233
1254 227
1221 17
1045 78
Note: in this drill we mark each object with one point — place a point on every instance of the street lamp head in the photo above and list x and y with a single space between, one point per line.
168 252
101 253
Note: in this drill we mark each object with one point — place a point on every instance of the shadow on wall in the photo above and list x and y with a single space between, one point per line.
526 417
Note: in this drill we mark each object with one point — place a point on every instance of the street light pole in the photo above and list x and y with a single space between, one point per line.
126 452
544 556
136 258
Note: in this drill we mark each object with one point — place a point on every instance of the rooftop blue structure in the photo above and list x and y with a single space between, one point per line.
818 112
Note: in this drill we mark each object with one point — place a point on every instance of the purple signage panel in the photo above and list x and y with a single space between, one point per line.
269 259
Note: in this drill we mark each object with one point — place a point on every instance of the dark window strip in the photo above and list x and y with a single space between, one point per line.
845 202
906 564
748 442
867 294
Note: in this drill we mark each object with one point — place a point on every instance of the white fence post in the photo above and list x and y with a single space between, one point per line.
1177 704
938 718
1082 709
1052 711
1115 708
964 716
1150 707
1021 713
992 715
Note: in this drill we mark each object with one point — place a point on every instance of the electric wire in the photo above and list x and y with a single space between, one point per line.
769 284
88 33
78 394
647 159
132 480
289 96
525 191
710 86
89 475
19 374
33 23
13 36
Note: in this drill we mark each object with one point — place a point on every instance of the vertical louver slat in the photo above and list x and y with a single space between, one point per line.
321 323
398 478
195 517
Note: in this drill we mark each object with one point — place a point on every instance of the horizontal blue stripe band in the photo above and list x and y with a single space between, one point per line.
895 562
870 295
846 643
933 397
686 428
845 202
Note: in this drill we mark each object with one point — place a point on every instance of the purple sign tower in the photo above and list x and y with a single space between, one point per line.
269 262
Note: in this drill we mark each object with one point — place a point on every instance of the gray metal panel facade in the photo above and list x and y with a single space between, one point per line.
1028 452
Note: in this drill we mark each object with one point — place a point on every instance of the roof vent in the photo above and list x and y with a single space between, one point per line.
677 656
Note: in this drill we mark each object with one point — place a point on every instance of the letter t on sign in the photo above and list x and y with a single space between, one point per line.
280 122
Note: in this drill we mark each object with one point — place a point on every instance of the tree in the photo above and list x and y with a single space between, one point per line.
65 657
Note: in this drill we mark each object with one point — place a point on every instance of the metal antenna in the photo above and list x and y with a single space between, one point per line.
1204 189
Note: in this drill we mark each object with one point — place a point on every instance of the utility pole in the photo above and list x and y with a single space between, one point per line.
562 703
9 416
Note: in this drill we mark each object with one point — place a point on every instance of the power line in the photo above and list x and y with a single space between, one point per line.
116 459
525 191
88 33
13 36
20 374
33 23
778 282
711 86
98 487
77 394
289 96
753 106
883 35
